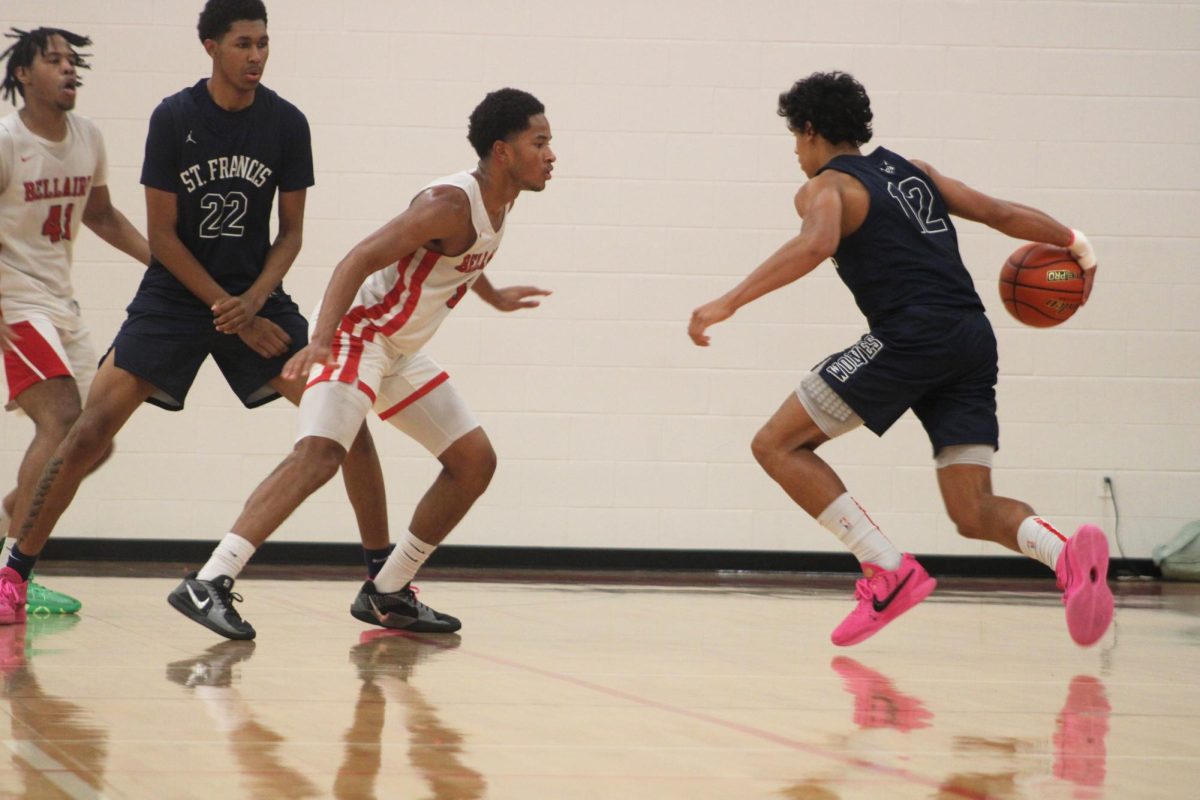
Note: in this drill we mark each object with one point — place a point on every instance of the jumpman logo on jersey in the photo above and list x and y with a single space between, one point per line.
189 139
887 168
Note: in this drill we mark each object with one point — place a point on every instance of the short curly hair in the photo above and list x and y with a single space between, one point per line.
501 114
834 104
218 16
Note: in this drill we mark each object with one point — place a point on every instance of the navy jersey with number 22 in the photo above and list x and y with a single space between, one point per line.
223 168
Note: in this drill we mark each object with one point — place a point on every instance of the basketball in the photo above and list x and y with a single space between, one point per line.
1041 285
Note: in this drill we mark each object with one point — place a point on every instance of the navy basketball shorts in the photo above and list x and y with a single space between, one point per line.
167 350
941 364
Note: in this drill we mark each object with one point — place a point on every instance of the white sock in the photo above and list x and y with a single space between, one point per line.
403 563
1040 540
848 521
228 558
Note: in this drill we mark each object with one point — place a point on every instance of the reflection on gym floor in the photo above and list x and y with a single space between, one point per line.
587 691
386 661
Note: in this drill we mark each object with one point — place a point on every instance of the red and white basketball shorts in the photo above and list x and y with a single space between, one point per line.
413 393
43 352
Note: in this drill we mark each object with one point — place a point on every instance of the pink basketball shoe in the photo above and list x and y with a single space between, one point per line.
1082 571
882 596
12 597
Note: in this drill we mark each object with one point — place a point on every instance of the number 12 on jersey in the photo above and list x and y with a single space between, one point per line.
916 199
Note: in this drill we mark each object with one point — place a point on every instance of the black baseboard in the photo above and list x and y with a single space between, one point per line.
582 559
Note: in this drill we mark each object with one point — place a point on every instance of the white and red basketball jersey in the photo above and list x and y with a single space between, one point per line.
407 301
44 188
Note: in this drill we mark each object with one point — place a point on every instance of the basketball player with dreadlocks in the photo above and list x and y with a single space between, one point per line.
52 180
217 154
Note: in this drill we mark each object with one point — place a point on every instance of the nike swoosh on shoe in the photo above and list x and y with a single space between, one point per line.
882 605
389 619
196 600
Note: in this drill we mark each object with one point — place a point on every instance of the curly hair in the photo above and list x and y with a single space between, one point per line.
501 114
834 104
218 16
21 53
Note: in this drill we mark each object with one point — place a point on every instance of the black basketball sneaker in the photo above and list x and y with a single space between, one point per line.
211 604
400 610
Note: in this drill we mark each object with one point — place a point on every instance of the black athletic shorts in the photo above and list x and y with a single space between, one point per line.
167 350
941 363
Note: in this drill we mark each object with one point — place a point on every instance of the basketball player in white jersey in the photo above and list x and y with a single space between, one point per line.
386 298
52 180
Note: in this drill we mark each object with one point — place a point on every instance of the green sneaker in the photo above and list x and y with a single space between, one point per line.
44 602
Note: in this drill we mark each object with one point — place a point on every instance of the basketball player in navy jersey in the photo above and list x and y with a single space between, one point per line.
216 154
885 221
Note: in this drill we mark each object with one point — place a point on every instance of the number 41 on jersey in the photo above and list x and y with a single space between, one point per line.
58 224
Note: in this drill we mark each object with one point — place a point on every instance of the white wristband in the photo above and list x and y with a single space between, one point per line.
1081 249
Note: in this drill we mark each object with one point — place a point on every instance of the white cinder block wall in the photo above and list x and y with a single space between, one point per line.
675 178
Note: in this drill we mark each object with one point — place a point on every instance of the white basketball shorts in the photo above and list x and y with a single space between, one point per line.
43 352
413 393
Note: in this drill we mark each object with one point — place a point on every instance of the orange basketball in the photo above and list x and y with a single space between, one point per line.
1041 285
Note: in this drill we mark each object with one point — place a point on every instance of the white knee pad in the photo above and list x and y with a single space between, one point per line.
436 419
979 455
333 410
827 409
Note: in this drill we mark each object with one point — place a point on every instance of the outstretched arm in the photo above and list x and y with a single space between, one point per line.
819 202
1012 219
103 218
1015 220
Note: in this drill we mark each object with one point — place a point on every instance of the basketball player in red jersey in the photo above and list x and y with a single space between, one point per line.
385 300
53 180
886 223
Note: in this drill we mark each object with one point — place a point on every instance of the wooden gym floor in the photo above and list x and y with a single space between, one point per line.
603 690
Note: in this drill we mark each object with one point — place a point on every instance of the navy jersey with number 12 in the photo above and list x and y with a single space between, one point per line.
905 255
223 168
